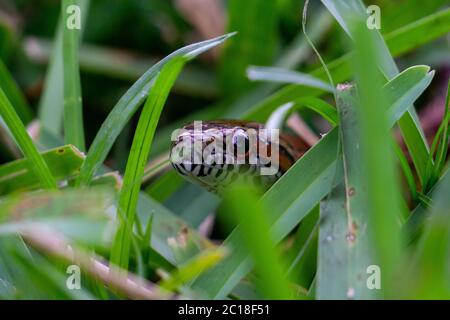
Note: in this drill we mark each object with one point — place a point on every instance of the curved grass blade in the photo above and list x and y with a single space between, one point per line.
128 105
255 44
25 143
51 105
138 158
14 95
273 74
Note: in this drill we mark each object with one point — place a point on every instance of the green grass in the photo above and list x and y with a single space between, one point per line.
82 168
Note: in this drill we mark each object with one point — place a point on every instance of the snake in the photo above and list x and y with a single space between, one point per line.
227 151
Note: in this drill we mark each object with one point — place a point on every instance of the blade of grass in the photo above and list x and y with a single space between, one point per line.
241 204
138 158
273 74
345 11
419 216
431 279
328 112
127 106
192 268
172 238
51 105
14 95
103 61
80 215
63 162
439 148
293 197
73 109
384 204
25 143
399 42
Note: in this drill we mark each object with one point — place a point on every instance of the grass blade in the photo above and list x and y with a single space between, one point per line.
25 143
51 105
73 109
63 162
287 202
138 158
14 95
409 124
127 106
241 205
430 279
286 76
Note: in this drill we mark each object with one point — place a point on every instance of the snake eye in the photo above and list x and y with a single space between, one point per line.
241 143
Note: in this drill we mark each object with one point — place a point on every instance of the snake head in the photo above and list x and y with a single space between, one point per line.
215 154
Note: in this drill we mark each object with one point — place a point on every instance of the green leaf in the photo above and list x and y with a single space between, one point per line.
241 205
293 197
430 279
378 176
79 215
25 143
14 95
137 159
51 105
172 238
128 105
345 13
63 162
328 112
192 268
272 74
332 279
73 108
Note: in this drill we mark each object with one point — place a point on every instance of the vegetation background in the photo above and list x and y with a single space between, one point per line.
86 119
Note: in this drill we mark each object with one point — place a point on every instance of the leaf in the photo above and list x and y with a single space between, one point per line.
328 112
73 108
51 105
273 74
241 205
346 13
378 176
128 105
138 158
293 197
430 279
253 45
25 143
192 268
80 215
172 238
63 162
